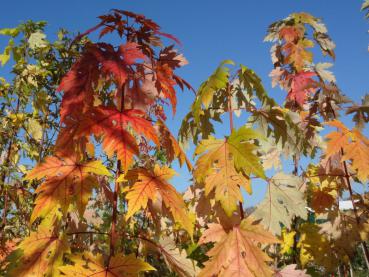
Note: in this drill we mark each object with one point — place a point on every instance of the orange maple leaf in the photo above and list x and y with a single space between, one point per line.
353 145
115 127
153 185
236 253
67 180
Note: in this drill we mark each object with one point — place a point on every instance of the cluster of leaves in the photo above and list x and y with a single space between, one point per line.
29 116
99 201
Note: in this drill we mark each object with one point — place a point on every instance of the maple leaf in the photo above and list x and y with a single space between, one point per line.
315 247
77 83
325 184
236 253
301 85
291 271
165 83
6 248
288 241
38 255
271 155
131 53
297 54
170 56
142 94
353 145
322 200
117 63
282 127
291 33
361 112
114 126
220 174
358 152
298 21
204 96
343 231
97 59
307 18
225 166
171 146
66 178
283 201
321 70
175 258
216 95
88 265
278 76
154 186
337 140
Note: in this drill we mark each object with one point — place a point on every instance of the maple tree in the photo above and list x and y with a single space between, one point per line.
86 153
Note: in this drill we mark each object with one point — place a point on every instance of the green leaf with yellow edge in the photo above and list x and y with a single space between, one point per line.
217 171
88 265
242 146
39 255
283 202
153 185
225 165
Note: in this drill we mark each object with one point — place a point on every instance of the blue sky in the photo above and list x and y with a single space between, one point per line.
212 31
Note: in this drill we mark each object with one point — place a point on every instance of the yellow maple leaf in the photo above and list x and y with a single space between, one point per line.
88 265
288 239
225 165
41 254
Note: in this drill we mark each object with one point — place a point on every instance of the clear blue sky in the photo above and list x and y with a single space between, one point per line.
213 30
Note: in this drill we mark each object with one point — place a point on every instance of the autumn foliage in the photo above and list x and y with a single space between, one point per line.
98 200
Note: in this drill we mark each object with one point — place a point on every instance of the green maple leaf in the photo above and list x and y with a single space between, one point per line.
226 164
217 81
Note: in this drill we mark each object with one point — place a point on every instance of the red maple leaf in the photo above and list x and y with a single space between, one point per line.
301 85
